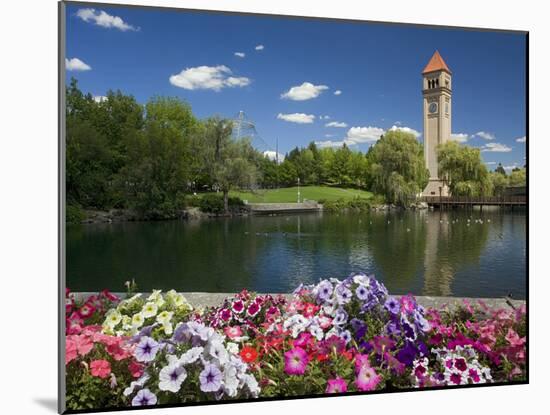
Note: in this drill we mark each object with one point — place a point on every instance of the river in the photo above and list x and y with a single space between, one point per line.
447 253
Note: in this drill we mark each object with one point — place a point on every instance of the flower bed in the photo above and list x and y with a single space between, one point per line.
333 337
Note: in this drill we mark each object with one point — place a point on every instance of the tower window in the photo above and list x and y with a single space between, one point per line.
437 83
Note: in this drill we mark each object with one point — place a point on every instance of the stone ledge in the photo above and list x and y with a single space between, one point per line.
205 299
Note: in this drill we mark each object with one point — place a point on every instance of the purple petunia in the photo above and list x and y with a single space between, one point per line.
146 349
324 290
210 378
144 398
343 294
340 318
392 305
362 292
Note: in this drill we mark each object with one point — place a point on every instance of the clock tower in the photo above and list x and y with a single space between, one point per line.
436 91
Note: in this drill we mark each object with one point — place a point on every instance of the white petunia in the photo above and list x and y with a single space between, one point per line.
218 351
164 317
138 383
156 297
171 377
138 320
232 348
191 355
252 384
112 318
168 329
149 310
230 381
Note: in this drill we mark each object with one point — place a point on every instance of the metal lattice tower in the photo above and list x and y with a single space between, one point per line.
245 128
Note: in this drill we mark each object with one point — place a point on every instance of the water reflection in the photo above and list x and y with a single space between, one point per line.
430 253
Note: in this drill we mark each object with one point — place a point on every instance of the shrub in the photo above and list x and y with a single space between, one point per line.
214 203
357 204
74 214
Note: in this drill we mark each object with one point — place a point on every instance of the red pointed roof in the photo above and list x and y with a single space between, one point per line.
436 63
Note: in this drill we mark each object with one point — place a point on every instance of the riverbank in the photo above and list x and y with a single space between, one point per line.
90 216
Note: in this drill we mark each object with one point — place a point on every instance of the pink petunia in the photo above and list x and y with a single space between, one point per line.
296 361
87 310
117 352
367 379
84 344
71 352
337 385
253 309
407 303
513 338
238 306
100 368
136 369
233 332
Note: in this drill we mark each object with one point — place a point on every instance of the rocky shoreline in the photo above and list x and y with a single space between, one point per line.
194 213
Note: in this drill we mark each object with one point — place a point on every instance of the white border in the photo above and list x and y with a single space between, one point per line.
28 202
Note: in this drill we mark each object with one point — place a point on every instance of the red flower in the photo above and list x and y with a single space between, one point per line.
248 354
135 368
100 368
87 310
310 309
109 295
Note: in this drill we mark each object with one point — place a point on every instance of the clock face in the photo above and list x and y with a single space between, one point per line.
432 108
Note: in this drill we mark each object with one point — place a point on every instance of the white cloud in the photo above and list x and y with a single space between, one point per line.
103 19
298 118
485 135
76 64
460 137
521 139
512 167
496 148
336 124
324 117
337 92
259 47
329 135
240 54
330 143
272 155
208 77
364 134
406 130
304 92
490 163
100 98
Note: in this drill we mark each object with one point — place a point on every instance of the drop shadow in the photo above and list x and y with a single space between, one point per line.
48 403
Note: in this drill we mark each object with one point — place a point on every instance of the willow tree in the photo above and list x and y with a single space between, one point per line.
463 170
396 167
232 162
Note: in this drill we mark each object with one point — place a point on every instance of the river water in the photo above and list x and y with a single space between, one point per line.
448 253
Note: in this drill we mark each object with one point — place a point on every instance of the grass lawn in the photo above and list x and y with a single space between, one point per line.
290 194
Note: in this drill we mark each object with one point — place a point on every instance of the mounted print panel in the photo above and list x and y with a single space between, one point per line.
270 207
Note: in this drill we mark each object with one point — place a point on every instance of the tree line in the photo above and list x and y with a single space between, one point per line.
149 158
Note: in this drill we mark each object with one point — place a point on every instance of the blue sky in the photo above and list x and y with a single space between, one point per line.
284 74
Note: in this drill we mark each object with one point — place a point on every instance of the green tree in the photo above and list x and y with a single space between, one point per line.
518 177
156 175
499 183
463 170
396 167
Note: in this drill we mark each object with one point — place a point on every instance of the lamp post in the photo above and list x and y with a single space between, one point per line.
298 190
